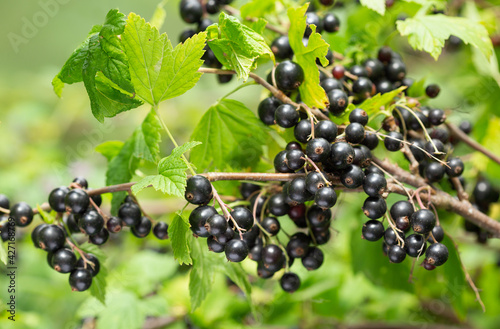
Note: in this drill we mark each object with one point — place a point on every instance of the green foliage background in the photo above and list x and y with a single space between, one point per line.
47 141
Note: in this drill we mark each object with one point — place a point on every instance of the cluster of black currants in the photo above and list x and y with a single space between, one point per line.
197 12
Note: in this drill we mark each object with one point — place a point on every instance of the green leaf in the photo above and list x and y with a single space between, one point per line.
121 312
233 137
310 90
375 5
46 216
158 71
98 286
3 253
417 88
109 149
237 274
258 8
159 15
237 46
455 277
178 232
171 178
373 105
429 33
202 273
147 138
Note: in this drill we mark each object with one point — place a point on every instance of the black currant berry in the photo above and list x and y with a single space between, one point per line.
395 70
298 245
51 238
80 279
288 75
375 69
293 146
402 223
402 209
331 23
372 230
330 84
315 181
318 149
432 90
203 25
358 71
142 228
416 124
362 156
465 126
56 198
191 11
358 116
186 34
384 86
393 141
216 225
160 230
82 182
325 197
436 117
313 18
484 193
99 238
391 236
198 218
362 88
423 221
63 260
352 176
4 201
297 190
371 140
373 170
277 205
281 48
319 218
263 272
436 148
114 224
385 54
271 255
439 133
354 133
243 217
456 167
396 254
227 236
212 7
91 222
271 225
437 233
97 198
416 149
374 184
22 214
290 282
295 159
436 254
374 207
434 172
286 116
427 265
313 259
198 190
280 162
415 245
94 269
302 131
77 201
35 234
267 109
342 155
338 102
214 245
326 129
236 250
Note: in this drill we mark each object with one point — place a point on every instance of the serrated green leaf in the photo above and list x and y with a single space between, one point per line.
373 104
94 250
310 90
178 232
121 312
202 273
109 149
159 15
375 5
417 88
3 253
429 33
237 274
237 46
47 217
258 8
148 138
232 137
181 149
158 71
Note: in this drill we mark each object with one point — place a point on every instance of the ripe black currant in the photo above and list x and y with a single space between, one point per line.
331 23
4 201
212 7
437 233
295 159
423 221
288 75
358 71
395 70
358 116
371 140
396 254
280 162
416 149
434 172
277 205
374 184
199 217
56 198
216 225
99 238
290 282
191 11
91 222
318 149
198 190
354 133
271 254
80 279
297 190
432 90
263 272
51 238
203 25
373 170
298 245
243 217
338 101
94 269
384 86
372 230
315 181
401 209
63 260
362 88
97 198
214 245
484 193
293 146
375 69
436 117
22 214
325 197
160 230
342 155
439 149
436 254
313 18
362 156
439 133
114 224
415 245
257 204
374 207
313 259
465 126
35 234
352 176
267 109
286 116
385 54
271 225
77 201
236 250
456 167
227 236
142 228
82 182
416 124
330 84
393 141
319 218
326 129
391 236
281 48
302 131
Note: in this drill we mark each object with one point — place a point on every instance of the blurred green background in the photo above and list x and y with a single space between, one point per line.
47 141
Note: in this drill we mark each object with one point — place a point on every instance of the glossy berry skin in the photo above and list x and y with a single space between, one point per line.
22 214
319 218
281 48
271 254
436 254
271 225
338 72
114 224
375 69
484 193
198 190
247 189
280 162
384 86
354 133
318 149
370 140
56 198
302 131
63 260
456 167
298 215
429 147
373 170
325 197
437 233
384 54
100 238
358 71
423 221
293 146
203 25
97 198
396 254
362 88
295 159
436 117
191 11
4 201
227 236
315 181
330 84
212 7
352 176
94 270
465 126
326 129
290 282
80 279
331 23
267 109
413 244
91 223
313 18
434 172
391 236
214 245
362 156
374 207
342 155
358 116
288 75
313 259
236 250
414 124
286 116
257 203
395 70
35 234
243 217
160 230
277 205
374 185
338 102
142 229
373 230
393 141
298 245
82 182
401 209
432 90
77 201
297 190
216 225
199 217
51 238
